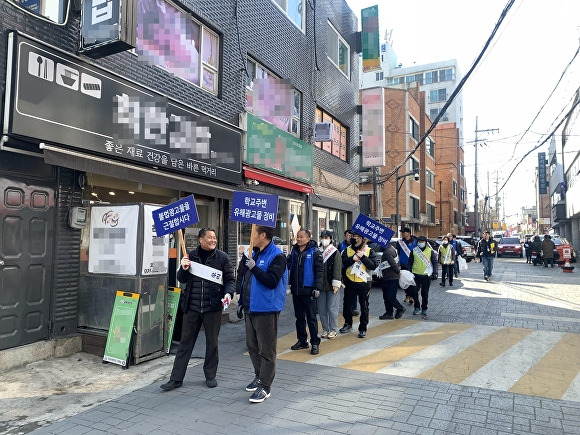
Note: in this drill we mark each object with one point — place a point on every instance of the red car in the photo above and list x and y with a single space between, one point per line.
510 246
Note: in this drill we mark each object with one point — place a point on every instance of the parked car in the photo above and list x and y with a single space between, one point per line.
469 239
510 246
561 244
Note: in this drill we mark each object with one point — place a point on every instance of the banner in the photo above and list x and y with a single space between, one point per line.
113 239
543 185
370 39
255 208
372 230
173 294
155 248
373 127
121 328
175 216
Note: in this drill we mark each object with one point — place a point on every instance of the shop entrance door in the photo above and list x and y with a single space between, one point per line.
26 243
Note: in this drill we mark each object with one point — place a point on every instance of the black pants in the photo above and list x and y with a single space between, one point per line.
261 340
390 287
305 313
423 282
192 322
549 261
447 269
362 293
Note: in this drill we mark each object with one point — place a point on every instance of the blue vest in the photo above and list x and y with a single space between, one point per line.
308 280
262 298
403 259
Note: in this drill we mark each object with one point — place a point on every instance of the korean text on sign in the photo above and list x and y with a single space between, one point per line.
255 208
175 216
372 230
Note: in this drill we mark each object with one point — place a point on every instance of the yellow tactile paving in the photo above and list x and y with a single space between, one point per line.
385 357
458 367
554 373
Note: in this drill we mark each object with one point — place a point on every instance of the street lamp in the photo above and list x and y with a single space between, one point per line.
415 174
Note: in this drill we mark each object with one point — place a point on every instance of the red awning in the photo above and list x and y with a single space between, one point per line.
276 180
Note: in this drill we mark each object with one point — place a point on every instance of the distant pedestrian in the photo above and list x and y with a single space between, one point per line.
486 251
261 283
201 303
305 273
458 252
547 248
390 273
405 245
528 249
446 256
423 264
341 247
359 260
328 300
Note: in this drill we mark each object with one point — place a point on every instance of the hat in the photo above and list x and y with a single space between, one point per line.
325 233
406 230
422 238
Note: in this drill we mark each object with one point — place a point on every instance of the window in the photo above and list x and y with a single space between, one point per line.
431 213
379 76
170 38
338 145
454 188
52 10
430 146
414 207
462 194
413 164
288 118
445 75
462 169
438 95
294 9
338 51
413 129
430 179
365 204
433 113
431 77
455 217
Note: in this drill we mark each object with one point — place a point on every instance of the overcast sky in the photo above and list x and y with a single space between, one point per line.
533 46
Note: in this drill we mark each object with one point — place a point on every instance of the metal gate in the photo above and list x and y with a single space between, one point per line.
27 216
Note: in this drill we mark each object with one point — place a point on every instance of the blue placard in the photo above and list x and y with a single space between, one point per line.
175 216
372 230
255 208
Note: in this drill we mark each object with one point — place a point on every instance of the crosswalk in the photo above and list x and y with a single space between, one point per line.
525 361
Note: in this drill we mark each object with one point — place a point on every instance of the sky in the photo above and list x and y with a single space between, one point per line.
520 69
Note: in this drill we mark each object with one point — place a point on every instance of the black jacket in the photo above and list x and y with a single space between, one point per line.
486 248
393 271
200 294
296 268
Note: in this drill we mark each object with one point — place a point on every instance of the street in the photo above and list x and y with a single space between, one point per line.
492 357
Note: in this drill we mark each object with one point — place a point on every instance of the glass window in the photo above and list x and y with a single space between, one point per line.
413 164
462 168
170 38
379 76
414 207
430 179
294 9
454 188
431 213
430 146
455 217
437 95
413 129
338 51
52 10
337 146
431 77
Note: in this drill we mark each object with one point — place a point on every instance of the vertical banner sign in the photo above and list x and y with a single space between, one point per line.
121 328
175 216
542 173
113 239
255 208
372 230
370 38
373 127
155 248
173 295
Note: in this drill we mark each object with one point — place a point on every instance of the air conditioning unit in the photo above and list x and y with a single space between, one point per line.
322 131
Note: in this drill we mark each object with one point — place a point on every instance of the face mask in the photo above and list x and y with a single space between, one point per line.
352 242
421 245
325 242
445 243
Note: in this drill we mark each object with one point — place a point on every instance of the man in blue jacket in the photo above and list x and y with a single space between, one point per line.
262 282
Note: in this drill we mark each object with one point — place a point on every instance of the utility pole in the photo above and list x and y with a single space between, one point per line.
476 205
378 203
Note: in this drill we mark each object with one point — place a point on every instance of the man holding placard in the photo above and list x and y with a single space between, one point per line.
210 284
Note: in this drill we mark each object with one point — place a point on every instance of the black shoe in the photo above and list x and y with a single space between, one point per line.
211 383
450 284
314 350
300 345
455 275
355 313
400 312
346 328
171 385
386 317
442 284
253 386
362 334
260 395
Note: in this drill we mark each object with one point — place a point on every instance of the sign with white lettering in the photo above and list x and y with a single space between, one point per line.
175 216
543 185
372 230
255 208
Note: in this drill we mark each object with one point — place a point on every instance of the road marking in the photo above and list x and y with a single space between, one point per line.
573 391
554 373
503 372
463 364
538 317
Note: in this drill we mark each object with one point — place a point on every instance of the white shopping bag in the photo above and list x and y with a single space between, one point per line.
406 279
462 263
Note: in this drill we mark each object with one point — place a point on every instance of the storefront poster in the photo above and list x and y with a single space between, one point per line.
372 230
113 239
175 216
121 328
173 294
155 249
255 208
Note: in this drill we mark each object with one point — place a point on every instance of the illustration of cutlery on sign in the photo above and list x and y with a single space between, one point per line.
39 60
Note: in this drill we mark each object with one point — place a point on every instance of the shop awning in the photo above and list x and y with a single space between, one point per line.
99 165
276 180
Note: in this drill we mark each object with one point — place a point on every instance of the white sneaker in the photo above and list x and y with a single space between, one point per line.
331 335
324 334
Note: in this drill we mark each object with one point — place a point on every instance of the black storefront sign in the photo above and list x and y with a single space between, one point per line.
56 98
543 188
